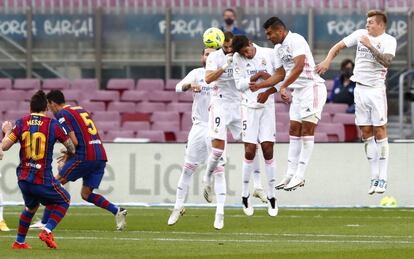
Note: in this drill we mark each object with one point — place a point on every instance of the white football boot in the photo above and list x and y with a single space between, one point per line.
175 215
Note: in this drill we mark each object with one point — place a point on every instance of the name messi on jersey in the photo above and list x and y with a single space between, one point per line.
34 123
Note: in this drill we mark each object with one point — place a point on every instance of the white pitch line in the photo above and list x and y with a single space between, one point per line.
77 214
240 234
230 240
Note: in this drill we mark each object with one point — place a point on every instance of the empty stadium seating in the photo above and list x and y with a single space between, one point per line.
128 109
148 5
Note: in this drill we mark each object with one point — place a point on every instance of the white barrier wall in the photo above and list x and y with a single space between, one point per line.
338 175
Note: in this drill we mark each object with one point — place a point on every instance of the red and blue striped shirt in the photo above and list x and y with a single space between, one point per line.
78 120
37 135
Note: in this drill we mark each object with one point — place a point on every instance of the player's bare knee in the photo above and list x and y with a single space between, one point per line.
32 210
218 143
267 148
295 128
85 192
249 151
367 132
380 132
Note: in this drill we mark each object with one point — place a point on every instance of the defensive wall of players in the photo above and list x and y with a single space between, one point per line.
147 174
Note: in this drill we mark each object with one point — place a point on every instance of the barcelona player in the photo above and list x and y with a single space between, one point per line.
90 159
37 135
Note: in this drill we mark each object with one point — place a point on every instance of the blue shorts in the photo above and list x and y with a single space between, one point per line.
91 171
46 194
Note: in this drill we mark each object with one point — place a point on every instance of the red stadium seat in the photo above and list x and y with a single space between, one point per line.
166 126
179 107
5 83
135 116
106 96
150 84
165 116
282 137
26 84
14 115
134 96
334 108
150 107
136 125
121 107
329 84
107 125
106 116
334 131
87 85
113 134
120 84
49 84
171 83
181 136
281 107
282 117
93 106
12 95
321 137
152 135
162 96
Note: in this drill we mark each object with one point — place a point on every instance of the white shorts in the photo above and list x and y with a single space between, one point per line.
223 116
199 145
370 106
308 101
258 125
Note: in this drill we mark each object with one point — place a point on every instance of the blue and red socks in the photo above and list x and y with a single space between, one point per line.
103 203
57 212
24 223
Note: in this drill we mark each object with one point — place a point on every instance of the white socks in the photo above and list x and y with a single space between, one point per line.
183 183
257 182
383 152
371 152
1 206
220 189
305 154
270 173
247 171
295 146
212 162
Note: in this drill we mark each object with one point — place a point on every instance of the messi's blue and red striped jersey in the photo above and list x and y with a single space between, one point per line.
79 121
37 135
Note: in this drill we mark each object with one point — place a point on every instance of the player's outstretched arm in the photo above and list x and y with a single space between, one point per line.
322 67
274 79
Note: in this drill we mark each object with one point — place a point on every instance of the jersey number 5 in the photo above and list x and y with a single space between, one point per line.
91 126
35 145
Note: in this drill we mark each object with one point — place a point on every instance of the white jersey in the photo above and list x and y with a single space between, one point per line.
224 87
244 68
367 70
202 99
292 46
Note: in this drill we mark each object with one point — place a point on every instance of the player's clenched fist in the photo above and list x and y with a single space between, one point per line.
365 41
229 60
7 126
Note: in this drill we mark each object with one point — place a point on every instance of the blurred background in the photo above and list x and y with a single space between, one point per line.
121 59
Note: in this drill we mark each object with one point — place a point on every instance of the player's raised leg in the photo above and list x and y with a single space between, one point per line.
270 169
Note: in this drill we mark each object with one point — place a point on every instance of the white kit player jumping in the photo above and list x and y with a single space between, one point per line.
3 225
252 63
308 97
374 54
199 143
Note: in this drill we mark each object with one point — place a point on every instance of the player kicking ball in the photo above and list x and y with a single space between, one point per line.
90 159
37 135
252 63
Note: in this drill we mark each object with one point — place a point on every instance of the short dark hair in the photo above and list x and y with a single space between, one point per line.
56 96
229 10
228 36
239 42
38 102
379 15
274 22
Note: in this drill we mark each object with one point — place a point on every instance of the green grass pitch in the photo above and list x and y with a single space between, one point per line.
295 233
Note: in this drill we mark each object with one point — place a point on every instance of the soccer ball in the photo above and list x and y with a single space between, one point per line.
213 38
388 201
